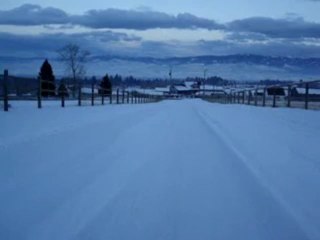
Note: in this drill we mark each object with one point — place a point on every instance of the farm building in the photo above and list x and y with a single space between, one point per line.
299 92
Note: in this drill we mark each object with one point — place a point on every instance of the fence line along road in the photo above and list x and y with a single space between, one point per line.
85 92
296 95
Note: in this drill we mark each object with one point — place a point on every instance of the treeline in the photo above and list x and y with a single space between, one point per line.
215 80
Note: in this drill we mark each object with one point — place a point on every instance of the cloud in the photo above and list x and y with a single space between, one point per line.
109 43
143 19
277 28
46 45
109 18
29 15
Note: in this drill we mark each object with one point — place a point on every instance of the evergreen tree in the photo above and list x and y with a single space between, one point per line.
47 80
106 86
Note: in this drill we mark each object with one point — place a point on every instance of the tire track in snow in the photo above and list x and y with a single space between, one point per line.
212 195
215 127
76 211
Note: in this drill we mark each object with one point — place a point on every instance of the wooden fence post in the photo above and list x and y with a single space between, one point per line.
243 97
5 91
62 99
249 97
122 96
274 100
128 97
264 97
39 93
256 97
92 94
132 98
117 95
289 97
79 94
102 96
307 96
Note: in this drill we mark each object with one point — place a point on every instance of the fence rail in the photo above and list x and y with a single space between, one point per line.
92 93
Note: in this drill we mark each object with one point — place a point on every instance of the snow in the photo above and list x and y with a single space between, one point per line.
149 91
179 169
87 90
311 91
163 89
182 88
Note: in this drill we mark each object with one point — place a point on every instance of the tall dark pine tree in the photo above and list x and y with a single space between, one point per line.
106 86
47 80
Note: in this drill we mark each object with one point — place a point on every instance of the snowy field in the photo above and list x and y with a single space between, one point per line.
174 170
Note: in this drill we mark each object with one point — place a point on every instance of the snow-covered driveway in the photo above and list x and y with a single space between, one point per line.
180 170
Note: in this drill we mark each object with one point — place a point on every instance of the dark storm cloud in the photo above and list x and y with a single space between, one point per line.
30 14
141 20
47 44
277 28
110 18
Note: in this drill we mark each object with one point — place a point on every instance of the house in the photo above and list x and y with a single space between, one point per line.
211 90
192 84
165 91
277 91
268 91
299 93
182 90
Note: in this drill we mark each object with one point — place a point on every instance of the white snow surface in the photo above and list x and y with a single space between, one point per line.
180 170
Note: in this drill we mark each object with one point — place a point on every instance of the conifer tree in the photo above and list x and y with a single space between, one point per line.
47 80
106 86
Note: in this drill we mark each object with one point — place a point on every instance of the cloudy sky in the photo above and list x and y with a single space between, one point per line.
37 28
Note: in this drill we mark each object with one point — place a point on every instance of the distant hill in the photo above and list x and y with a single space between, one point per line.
228 59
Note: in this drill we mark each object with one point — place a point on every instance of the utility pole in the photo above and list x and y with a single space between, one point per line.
204 80
170 76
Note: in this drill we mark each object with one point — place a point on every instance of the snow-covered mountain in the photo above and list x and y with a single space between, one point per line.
274 61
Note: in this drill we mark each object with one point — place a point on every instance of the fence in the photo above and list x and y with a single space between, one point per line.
84 93
298 95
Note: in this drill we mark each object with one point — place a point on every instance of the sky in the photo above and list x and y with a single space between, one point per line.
37 28
220 10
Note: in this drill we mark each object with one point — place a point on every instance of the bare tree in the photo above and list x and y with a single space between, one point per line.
74 58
